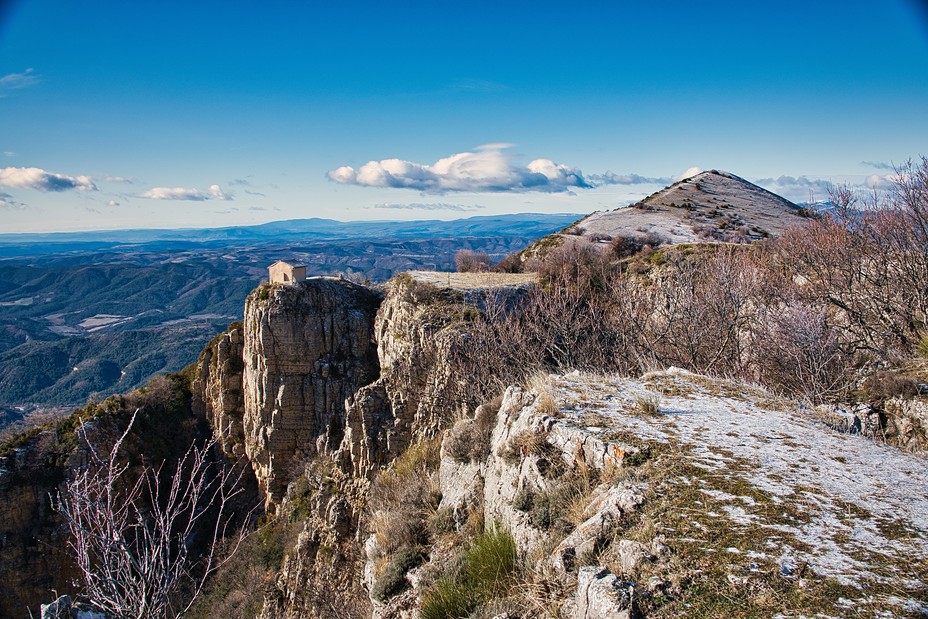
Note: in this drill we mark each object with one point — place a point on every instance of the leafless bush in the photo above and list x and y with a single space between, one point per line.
510 264
800 354
869 263
467 441
135 533
700 310
575 262
626 245
468 261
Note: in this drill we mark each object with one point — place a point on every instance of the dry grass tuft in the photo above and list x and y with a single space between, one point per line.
403 497
648 403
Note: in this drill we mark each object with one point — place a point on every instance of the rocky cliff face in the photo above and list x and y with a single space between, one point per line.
422 339
337 378
415 387
33 556
218 390
307 348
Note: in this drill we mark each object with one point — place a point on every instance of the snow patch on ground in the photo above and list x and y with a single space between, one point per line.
855 506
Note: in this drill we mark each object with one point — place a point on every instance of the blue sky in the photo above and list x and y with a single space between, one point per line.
189 114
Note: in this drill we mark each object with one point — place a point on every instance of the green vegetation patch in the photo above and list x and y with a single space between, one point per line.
392 579
485 571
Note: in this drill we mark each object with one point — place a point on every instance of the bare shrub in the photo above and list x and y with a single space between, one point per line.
625 246
700 309
800 354
510 264
868 263
469 261
573 262
134 532
468 441
883 385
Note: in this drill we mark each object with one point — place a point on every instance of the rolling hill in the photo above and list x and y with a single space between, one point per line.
712 205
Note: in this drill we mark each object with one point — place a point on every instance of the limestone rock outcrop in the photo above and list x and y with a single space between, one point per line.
422 334
217 389
308 347
412 393
601 595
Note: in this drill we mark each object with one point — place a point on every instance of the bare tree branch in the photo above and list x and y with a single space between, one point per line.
136 534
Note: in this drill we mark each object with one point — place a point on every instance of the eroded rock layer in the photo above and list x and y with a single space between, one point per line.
218 393
307 348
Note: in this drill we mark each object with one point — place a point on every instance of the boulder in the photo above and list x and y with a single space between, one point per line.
603 595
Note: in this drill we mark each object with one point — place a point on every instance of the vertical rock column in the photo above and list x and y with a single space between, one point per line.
217 389
308 346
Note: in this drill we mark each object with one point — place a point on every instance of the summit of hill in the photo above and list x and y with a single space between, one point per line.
710 206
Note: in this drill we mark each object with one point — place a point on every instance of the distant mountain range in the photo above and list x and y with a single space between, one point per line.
516 225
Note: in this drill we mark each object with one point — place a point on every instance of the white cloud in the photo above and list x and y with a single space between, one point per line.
112 203
876 181
119 179
488 169
440 206
879 165
8 203
9 153
802 188
182 193
689 173
611 178
797 189
37 178
17 81
217 193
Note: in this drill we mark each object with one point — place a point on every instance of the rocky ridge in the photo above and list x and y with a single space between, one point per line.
710 206
723 489
616 509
